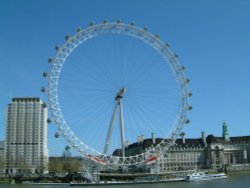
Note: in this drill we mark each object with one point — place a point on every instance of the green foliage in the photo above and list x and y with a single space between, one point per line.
65 165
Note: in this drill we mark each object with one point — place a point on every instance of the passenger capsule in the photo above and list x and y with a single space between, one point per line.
118 21
44 105
187 121
57 48
166 44
67 37
50 60
49 121
43 89
57 135
105 21
182 134
176 55
157 36
67 148
190 94
91 24
79 29
132 23
145 28
187 81
45 74
190 107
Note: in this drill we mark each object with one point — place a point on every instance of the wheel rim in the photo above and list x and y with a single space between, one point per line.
125 29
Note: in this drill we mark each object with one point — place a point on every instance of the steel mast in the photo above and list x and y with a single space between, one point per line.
118 100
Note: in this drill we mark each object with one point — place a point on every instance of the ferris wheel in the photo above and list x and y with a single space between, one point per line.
120 81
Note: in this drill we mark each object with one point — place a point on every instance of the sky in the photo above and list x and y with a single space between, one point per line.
211 38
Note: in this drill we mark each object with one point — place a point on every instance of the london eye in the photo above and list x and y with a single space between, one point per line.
112 85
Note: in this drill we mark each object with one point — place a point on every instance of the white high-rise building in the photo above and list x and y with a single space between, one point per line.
26 145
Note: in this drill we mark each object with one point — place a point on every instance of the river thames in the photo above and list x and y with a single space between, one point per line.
234 181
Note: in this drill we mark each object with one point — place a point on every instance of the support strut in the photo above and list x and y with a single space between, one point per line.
118 100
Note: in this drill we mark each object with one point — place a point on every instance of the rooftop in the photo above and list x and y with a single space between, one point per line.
146 143
20 99
232 140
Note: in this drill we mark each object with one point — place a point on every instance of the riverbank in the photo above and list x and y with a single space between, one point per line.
240 172
4 179
44 179
48 179
232 182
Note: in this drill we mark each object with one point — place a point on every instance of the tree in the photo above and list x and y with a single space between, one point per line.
65 164
55 165
74 165
42 167
1 162
21 165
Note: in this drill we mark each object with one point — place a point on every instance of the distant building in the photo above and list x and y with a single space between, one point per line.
26 146
1 156
202 153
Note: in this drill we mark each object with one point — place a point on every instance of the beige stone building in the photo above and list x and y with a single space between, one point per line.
206 152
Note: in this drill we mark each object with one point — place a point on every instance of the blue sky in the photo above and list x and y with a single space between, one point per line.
211 38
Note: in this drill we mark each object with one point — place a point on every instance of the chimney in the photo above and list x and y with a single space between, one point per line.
138 140
153 138
142 138
203 138
182 134
127 143
183 140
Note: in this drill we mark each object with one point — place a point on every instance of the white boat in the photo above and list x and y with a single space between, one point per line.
202 176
